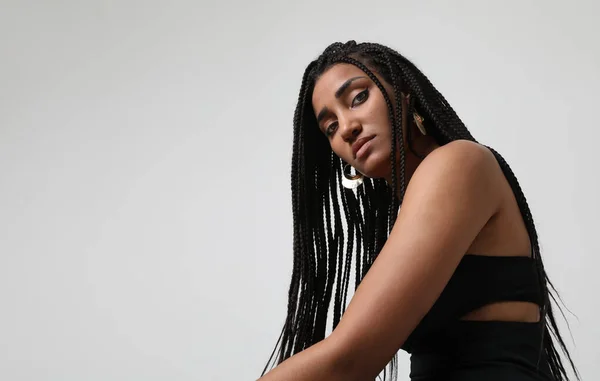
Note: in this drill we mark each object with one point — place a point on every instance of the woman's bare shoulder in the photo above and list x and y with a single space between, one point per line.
458 165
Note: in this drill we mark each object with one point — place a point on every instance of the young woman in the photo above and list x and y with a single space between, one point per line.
446 257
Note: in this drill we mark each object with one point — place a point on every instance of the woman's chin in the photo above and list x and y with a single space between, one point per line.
375 166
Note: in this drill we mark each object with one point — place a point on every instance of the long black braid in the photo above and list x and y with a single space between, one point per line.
323 249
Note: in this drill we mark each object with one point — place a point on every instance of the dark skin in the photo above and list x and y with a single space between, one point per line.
360 110
457 194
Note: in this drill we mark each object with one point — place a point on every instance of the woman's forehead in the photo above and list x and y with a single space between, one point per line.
337 74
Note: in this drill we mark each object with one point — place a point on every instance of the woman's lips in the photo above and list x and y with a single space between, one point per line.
361 147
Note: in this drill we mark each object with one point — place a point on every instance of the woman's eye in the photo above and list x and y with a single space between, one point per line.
330 129
360 97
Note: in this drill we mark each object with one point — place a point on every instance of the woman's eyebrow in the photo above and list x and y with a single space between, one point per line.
338 94
345 85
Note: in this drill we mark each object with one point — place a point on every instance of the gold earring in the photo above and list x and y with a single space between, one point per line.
351 181
419 122
416 116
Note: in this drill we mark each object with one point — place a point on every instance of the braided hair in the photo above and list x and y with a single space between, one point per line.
323 249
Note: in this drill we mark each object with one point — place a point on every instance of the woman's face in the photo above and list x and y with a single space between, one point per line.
352 113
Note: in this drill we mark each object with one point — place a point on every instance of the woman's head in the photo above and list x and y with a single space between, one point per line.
352 112
354 92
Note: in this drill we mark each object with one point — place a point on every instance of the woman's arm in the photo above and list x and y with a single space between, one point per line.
451 196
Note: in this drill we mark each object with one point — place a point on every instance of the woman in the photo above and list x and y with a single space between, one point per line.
453 276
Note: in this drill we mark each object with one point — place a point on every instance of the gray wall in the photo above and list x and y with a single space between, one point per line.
145 213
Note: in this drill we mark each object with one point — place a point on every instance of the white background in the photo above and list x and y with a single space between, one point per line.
145 210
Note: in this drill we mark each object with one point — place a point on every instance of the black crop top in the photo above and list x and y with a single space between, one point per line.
477 281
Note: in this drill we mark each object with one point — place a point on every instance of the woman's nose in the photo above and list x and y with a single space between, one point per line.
351 130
